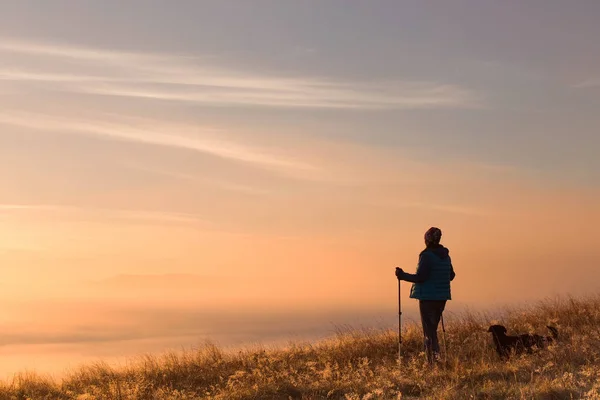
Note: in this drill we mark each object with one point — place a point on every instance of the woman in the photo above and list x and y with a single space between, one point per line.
431 286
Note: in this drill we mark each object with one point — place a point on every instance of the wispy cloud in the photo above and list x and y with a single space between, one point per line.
17 207
203 140
589 83
203 179
299 94
106 213
170 77
448 208
445 208
112 322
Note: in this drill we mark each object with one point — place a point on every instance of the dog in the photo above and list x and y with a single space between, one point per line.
506 345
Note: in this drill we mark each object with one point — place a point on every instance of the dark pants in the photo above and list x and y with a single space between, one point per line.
431 312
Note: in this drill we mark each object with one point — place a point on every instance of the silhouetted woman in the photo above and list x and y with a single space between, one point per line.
431 286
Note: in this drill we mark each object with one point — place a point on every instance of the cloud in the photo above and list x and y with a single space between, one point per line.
199 139
447 208
28 76
590 83
17 207
97 322
178 283
169 77
299 95
201 179
119 214
40 49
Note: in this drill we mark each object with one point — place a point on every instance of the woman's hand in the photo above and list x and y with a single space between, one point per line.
399 273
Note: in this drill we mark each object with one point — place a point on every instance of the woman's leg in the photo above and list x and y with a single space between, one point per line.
428 322
437 310
431 312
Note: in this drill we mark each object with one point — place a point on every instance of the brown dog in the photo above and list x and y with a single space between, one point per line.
505 345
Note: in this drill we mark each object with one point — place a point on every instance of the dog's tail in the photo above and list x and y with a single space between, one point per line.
554 332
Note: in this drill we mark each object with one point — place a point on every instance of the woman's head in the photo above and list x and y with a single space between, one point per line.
433 236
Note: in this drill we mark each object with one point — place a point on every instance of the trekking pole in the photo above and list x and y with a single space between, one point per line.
399 324
444 336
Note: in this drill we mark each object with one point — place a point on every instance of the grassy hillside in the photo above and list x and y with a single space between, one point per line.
361 365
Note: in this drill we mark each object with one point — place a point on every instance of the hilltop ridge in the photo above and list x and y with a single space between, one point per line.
360 364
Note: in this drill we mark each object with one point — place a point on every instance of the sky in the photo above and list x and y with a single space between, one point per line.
252 172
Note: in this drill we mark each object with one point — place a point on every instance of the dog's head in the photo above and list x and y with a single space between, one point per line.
497 330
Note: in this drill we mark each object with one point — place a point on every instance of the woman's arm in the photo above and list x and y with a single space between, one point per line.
423 271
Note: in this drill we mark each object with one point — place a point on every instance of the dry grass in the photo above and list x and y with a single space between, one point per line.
361 365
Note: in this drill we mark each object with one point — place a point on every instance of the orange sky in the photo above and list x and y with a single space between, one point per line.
334 245
81 280
69 274
176 173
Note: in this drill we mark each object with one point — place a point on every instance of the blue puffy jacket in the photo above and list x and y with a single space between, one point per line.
434 273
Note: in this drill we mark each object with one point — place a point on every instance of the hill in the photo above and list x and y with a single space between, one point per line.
360 365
